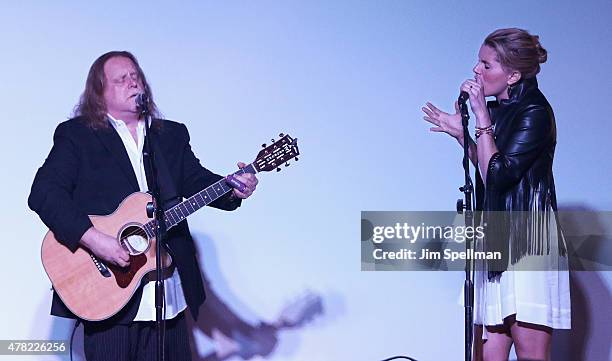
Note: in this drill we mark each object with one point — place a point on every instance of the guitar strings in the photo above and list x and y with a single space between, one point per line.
219 182
175 207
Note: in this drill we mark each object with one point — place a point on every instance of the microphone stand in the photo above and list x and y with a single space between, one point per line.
155 209
465 205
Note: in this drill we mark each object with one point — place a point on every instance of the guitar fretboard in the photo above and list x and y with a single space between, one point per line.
199 200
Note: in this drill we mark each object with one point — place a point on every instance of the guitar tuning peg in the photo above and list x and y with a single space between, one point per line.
278 169
287 164
296 159
273 140
281 135
263 145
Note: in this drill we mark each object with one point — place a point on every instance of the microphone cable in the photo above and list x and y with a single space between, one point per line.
76 324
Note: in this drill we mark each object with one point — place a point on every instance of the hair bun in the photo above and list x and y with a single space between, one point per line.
542 53
517 50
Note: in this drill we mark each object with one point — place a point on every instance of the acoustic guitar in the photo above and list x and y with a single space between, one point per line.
94 290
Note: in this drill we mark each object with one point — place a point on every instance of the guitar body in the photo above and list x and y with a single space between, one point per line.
93 290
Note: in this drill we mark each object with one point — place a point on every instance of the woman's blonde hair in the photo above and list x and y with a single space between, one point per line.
517 50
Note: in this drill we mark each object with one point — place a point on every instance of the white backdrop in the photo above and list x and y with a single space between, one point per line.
348 78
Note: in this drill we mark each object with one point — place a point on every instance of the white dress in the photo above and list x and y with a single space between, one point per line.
539 296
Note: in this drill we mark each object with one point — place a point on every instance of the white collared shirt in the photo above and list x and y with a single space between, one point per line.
174 296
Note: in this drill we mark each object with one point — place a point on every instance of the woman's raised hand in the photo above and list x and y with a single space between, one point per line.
444 122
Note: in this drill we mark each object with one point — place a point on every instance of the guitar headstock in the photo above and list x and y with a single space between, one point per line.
279 152
301 310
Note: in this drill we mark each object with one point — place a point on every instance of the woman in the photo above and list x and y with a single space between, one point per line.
513 153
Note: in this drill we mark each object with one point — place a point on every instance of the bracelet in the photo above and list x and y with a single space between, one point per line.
489 127
485 131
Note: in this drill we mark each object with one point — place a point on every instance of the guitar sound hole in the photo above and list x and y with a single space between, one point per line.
134 240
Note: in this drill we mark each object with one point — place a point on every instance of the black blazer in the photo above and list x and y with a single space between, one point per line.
88 172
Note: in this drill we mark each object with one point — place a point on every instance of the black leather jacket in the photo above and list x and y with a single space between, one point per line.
519 196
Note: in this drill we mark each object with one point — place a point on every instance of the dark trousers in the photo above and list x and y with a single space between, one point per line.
136 341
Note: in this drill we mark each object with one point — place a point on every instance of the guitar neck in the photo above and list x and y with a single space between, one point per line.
199 200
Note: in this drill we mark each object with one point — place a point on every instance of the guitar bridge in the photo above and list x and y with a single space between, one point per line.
100 266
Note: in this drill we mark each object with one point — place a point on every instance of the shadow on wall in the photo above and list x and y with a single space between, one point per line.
232 336
588 235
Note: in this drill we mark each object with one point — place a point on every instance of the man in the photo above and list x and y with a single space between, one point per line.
95 162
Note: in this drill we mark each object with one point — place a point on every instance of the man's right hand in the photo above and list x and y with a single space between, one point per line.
105 247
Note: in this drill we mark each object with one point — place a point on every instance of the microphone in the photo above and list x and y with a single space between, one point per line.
463 97
142 102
